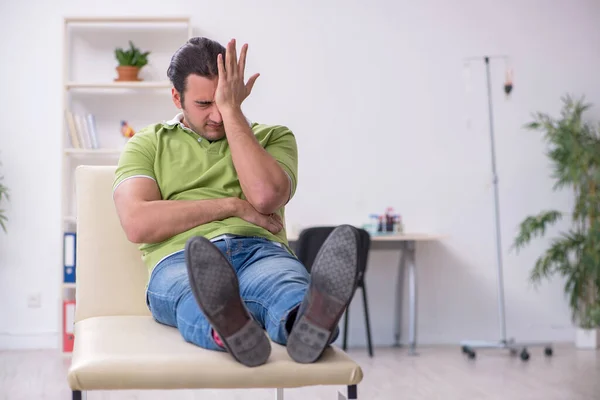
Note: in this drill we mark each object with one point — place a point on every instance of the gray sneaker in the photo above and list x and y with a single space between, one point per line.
334 278
215 286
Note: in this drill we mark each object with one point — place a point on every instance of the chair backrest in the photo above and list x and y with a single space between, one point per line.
110 275
311 239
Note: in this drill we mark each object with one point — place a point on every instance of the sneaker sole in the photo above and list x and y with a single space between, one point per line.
333 283
216 289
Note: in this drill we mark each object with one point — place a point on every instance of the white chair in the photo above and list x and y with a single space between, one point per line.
119 346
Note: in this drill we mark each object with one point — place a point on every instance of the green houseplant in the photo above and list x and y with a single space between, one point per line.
574 151
130 61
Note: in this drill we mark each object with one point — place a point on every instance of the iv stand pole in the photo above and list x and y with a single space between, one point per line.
469 346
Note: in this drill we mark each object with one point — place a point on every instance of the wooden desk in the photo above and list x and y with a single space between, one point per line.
406 243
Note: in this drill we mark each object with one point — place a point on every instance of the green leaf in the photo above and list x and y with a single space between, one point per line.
121 57
132 56
532 125
3 219
535 226
134 59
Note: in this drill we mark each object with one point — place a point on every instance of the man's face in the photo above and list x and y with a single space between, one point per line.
200 112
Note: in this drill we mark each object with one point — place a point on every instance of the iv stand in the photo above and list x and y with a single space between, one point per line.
469 346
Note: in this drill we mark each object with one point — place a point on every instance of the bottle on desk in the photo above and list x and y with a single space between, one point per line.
398 226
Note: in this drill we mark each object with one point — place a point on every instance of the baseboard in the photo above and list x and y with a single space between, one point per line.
28 341
555 335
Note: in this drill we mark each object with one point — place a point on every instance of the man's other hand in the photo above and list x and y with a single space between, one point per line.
245 211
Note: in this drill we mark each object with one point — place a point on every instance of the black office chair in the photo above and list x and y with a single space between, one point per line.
308 245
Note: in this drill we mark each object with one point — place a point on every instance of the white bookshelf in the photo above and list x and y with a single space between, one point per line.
129 19
89 70
118 85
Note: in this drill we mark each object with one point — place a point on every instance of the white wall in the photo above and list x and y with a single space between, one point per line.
375 94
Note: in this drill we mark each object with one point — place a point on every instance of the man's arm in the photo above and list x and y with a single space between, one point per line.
146 218
263 181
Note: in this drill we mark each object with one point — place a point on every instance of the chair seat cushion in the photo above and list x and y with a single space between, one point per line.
136 352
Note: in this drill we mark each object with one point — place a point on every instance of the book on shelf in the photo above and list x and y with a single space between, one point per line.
82 130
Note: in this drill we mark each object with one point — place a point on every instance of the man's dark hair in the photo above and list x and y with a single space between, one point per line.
197 56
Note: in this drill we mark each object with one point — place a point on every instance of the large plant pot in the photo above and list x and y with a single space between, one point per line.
587 338
127 74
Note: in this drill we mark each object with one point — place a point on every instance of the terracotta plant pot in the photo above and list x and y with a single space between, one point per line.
127 73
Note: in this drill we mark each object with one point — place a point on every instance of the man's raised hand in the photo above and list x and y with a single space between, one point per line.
231 89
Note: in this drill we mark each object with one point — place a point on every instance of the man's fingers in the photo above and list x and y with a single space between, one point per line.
220 66
242 63
274 226
276 217
278 227
231 57
227 58
250 83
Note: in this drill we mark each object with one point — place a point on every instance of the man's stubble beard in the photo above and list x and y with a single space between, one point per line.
199 131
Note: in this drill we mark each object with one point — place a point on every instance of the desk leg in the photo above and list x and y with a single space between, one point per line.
399 291
412 297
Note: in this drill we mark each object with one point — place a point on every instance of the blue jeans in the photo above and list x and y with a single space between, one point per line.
272 283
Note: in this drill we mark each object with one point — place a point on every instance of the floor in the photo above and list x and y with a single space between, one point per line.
436 373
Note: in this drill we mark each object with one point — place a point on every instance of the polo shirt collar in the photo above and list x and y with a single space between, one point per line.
178 121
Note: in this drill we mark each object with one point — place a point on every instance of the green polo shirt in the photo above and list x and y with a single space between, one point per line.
188 167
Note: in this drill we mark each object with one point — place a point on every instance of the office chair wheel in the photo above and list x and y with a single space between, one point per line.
513 352
469 352
548 351
524 355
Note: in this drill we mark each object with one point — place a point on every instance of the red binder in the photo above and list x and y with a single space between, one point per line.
68 322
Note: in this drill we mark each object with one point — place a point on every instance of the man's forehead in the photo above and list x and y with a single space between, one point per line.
201 83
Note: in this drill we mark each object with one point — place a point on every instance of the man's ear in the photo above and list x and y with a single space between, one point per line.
176 98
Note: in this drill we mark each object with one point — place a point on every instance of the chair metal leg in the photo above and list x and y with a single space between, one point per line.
279 393
352 392
79 395
367 323
345 341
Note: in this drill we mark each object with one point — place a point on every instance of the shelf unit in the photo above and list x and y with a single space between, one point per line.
89 88
118 85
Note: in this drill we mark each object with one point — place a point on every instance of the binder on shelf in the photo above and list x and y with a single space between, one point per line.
68 325
69 256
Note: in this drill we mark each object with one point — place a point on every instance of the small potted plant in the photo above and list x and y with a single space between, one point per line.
130 62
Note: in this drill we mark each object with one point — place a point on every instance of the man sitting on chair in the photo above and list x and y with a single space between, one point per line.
204 196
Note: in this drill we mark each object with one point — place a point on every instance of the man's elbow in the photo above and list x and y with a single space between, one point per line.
134 235
268 201
134 231
265 206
